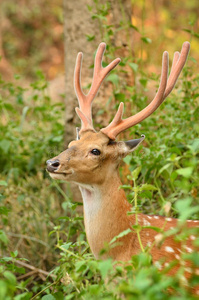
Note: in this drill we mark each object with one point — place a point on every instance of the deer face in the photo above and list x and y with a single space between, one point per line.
89 159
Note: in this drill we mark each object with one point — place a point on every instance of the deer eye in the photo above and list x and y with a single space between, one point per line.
95 152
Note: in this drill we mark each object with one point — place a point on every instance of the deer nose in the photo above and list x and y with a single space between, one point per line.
52 165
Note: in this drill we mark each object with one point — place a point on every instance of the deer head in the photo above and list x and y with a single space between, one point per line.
94 155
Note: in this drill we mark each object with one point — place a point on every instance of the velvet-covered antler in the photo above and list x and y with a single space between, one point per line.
166 86
85 101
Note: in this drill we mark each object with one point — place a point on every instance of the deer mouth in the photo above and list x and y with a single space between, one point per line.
58 173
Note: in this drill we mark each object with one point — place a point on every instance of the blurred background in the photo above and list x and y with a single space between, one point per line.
39 41
32 32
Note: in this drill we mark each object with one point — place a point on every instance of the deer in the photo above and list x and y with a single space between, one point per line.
91 161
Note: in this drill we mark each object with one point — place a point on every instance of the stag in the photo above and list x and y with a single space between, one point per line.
91 161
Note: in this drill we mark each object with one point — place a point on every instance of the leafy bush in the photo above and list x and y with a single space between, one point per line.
32 131
41 229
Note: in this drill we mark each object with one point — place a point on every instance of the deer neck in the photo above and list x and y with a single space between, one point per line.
105 212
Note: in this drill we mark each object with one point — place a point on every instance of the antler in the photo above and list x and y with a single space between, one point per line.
118 124
85 101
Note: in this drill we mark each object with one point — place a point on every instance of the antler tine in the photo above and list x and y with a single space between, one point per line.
78 90
85 101
118 125
174 62
77 77
85 122
179 61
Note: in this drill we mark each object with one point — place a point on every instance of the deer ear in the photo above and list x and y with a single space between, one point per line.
133 144
129 146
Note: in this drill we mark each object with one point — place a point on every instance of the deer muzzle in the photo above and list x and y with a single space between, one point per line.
52 165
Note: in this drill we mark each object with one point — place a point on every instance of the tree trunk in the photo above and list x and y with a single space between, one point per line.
6 70
78 24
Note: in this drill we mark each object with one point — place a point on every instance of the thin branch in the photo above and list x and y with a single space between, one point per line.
23 236
27 275
23 264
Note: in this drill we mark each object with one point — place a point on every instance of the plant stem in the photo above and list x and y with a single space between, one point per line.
60 190
136 215
47 287
159 191
69 252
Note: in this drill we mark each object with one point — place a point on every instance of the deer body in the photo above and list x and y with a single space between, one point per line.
105 216
92 162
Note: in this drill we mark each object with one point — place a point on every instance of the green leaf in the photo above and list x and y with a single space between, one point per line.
134 27
14 254
184 204
68 297
58 138
143 82
186 30
113 78
104 267
66 246
23 296
196 35
48 297
120 96
137 227
11 277
194 257
194 146
133 66
24 113
165 168
90 37
59 296
126 186
185 172
6 259
136 173
3 183
127 159
3 289
89 7
4 210
146 40
3 237
153 227
80 266
121 234
185 209
5 145
147 187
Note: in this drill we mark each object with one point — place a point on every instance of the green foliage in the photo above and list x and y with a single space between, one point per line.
41 229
